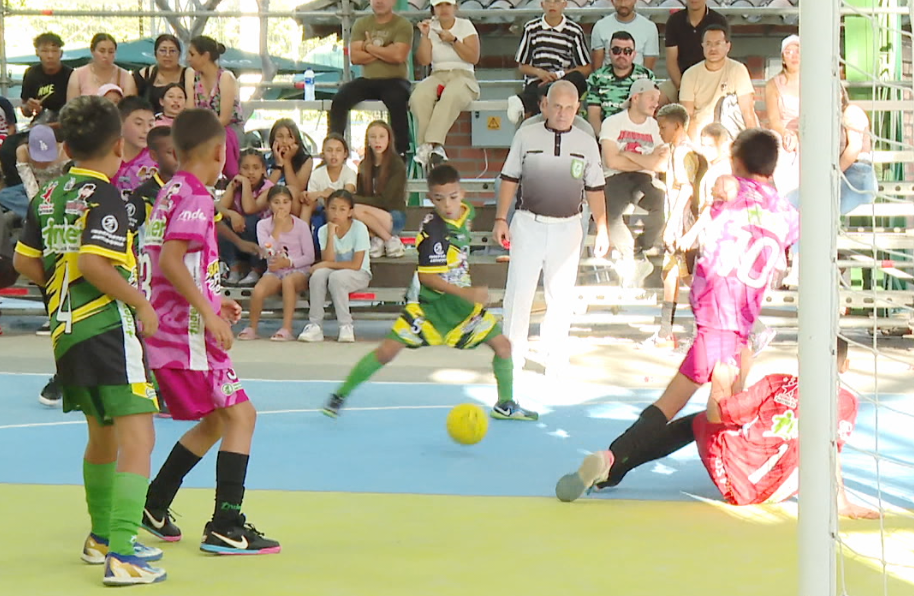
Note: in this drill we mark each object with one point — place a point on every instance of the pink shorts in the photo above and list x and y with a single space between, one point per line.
192 394
284 273
711 346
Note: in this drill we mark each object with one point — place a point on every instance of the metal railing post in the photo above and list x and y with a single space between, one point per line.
4 67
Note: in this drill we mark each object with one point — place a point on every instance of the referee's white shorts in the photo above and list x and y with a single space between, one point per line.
550 245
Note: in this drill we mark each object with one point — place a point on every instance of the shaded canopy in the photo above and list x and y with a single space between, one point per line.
139 53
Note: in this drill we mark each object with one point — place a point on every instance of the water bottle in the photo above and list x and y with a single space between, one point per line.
309 85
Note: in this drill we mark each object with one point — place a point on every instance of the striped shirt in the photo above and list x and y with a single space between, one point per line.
562 47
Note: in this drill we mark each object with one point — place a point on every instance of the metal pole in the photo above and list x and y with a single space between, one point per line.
818 289
346 20
4 75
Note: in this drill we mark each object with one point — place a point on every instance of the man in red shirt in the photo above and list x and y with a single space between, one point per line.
747 441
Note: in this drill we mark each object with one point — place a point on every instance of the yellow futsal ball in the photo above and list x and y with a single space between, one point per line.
467 424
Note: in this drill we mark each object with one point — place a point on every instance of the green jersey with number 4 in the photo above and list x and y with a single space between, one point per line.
95 336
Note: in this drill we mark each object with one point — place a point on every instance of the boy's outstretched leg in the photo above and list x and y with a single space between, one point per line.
506 408
229 533
187 452
361 372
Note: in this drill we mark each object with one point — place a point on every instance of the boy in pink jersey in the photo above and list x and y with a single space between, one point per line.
749 231
138 166
189 352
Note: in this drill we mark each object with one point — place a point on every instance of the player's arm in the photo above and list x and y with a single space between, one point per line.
30 268
615 158
100 272
175 271
727 405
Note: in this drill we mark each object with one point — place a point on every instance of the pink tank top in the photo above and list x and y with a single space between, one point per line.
788 104
88 85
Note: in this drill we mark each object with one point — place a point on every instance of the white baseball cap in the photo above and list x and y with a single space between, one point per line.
789 40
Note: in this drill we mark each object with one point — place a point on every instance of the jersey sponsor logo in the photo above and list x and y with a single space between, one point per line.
787 396
231 387
109 224
147 172
439 255
80 204
577 168
46 207
784 426
62 238
197 215
71 183
155 231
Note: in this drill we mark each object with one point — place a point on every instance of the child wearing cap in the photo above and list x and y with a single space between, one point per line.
111 92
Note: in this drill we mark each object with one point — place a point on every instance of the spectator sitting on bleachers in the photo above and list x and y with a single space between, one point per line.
715 146
451 46
291 163
551 48
858 184
7 119
782 103
331 175
641 28
380 43
290 253
245 203
381 191
172 101
608 86
718 89
38 161
153 82
44 85
683 40
101 70
112 93
345 268
8 274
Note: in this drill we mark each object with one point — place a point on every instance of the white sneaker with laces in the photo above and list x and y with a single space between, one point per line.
423 153
347 334
376 250
515 109
394 248
311 333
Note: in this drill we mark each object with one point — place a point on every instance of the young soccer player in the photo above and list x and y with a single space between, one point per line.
684 172
77 245
748 441
189 353
138 166
162 153
745 241
450 310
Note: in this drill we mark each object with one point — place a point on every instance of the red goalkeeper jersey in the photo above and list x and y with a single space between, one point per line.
752 455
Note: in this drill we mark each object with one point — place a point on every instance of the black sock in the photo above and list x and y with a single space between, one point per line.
674 436
667 312
231 469
165 486
639 437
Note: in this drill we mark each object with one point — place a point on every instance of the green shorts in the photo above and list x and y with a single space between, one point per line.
107 402
448 321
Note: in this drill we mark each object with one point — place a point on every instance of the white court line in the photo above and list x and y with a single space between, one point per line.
48 375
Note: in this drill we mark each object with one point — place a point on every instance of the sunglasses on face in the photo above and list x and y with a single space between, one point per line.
616 50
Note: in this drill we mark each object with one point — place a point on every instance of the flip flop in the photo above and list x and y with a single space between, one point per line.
247 334
282 335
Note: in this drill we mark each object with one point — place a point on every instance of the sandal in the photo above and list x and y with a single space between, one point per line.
282 335
247 334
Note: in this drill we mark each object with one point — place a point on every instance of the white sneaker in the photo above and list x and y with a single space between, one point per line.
250 279
423 153
515 109
311 333
394 248
376 250
347 334
436 157
233 278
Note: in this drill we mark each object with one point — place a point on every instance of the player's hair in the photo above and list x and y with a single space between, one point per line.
716 27
133 103
100 37
47 38
300 158
716 131
90 126
203 44
443 174
279 189
623 35
194 128
757 149
674 112
342 195
154 137
841 352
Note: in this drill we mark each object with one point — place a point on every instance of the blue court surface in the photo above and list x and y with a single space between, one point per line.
392 439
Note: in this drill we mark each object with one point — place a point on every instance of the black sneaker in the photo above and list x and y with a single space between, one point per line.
241 539
161 525
333 406
51 395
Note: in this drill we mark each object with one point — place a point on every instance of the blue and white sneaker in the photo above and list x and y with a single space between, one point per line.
129 571
509 410
95 550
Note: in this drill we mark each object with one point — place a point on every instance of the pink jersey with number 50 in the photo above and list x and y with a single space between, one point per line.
744 244
184 210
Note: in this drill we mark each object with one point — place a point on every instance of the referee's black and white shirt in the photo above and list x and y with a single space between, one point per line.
562 47
554 169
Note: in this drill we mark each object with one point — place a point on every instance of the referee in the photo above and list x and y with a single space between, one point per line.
557 164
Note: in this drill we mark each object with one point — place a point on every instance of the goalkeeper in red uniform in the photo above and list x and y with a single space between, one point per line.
748 441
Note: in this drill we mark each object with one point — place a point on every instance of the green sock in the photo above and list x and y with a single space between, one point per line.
362 371
129 496
98 480
504 378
